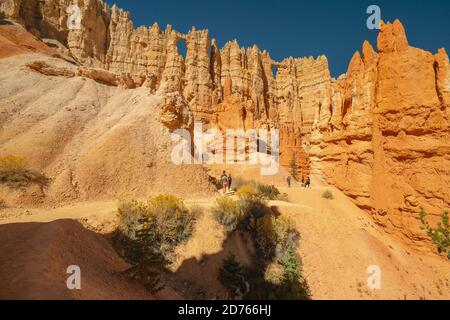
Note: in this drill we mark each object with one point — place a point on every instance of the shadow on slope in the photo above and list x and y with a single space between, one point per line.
255 260
34 258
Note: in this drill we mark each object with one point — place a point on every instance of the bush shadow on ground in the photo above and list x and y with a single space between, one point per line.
261 238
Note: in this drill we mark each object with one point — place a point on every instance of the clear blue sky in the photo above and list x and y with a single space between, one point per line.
298 28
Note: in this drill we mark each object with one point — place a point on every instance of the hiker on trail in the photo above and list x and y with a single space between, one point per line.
289 178
308 182
224 180
230 180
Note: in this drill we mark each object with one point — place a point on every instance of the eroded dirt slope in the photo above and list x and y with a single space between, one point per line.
35 256
93 140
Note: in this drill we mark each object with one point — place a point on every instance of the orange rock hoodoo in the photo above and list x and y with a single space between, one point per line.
380 132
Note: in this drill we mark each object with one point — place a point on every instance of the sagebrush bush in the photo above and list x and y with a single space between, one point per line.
248 190
275 236
165 218
268 192
252 189
130 216
15 174
228 213
145 256
280 280
328 195
174 223
241 213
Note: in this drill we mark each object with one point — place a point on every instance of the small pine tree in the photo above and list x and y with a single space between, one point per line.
439 235
293 166
146 258
231 273
294 286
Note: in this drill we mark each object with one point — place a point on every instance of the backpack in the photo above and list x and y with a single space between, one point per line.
224 179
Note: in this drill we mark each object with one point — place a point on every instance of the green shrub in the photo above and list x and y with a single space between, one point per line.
145 256
15 174
241 213
328 195
254 189
164 219
231 275
130 216
275 236
228 213
439 235
173 223
248 190
294 286
279 280
276 270
268 192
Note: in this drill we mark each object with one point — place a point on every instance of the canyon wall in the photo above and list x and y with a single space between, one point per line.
380 133
209 78
386 144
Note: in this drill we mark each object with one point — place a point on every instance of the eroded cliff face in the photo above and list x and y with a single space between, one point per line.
387 143
380 132
214 82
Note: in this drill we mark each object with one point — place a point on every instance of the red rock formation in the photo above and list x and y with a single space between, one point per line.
291 147
387 145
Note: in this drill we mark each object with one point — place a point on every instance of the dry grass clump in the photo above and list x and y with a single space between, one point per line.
15 174
328 195
165 218
260 190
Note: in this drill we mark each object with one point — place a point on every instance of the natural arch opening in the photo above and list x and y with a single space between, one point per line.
274 71
182 49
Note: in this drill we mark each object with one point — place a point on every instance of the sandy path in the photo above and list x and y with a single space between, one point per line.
340 241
